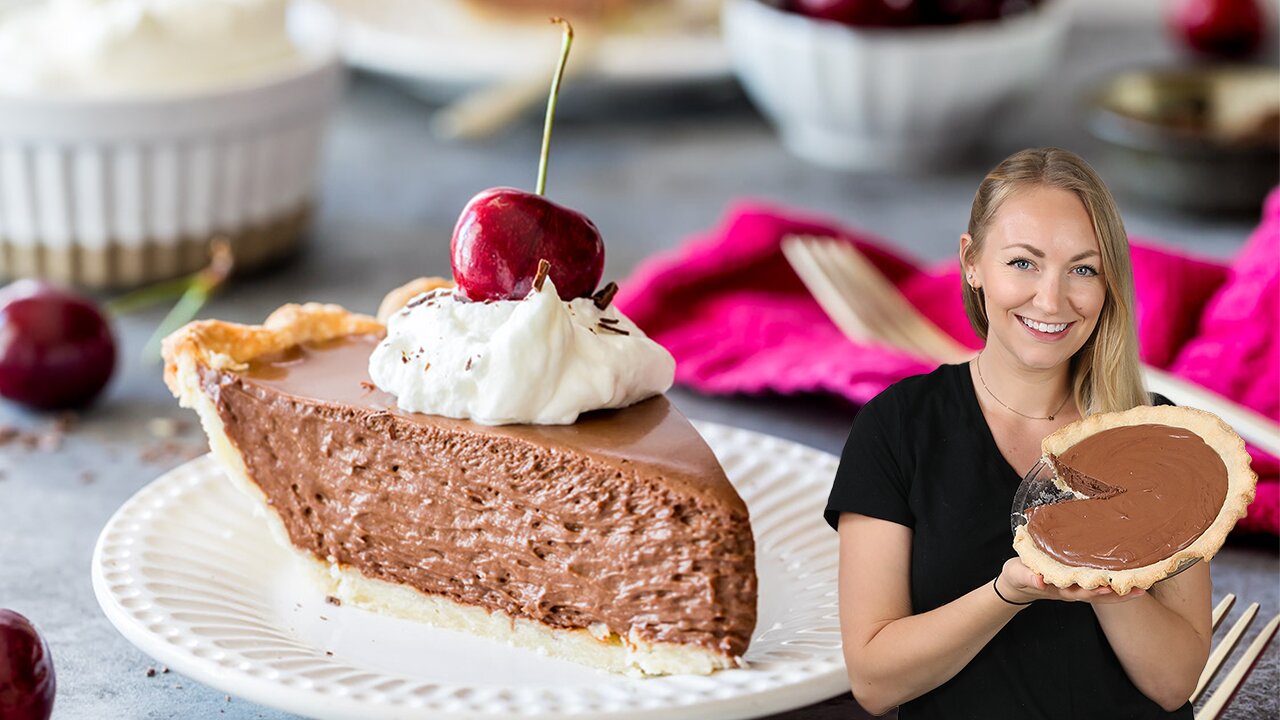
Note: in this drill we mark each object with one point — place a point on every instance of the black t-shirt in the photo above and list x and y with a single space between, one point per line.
921 455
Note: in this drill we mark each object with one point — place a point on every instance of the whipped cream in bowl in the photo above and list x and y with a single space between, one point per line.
139 129
138 48
539 360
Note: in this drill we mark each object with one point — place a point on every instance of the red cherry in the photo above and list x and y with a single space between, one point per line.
1230 29
56 349
27 682
860 13
503 233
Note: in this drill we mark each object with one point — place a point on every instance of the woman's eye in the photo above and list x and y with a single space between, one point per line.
1021 264
1085 270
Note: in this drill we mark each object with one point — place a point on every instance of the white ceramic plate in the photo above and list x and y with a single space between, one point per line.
440 42
190 575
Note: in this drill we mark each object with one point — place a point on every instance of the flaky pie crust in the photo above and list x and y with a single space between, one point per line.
231 346
1241 484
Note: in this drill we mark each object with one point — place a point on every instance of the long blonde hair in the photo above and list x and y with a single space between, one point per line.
1106 373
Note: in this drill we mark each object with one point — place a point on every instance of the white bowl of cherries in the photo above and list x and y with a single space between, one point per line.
879 84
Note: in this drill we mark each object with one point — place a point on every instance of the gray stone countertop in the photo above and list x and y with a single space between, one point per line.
650 170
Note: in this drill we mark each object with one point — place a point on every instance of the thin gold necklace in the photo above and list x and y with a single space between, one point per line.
977 362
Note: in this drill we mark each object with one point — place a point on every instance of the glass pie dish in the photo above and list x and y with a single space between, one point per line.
1038 488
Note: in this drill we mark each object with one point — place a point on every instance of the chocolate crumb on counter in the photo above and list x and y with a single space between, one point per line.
333 600
468 367
426 367
329 653
65 422
164 669
404 357
151 672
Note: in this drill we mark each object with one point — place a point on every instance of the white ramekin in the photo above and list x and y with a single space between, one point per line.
878 98
117 192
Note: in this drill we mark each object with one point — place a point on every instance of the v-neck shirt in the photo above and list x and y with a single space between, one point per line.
921 455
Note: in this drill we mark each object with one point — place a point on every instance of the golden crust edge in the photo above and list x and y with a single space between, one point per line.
1241 489
222 345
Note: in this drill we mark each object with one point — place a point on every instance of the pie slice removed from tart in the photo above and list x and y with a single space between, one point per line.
615 541
1154 487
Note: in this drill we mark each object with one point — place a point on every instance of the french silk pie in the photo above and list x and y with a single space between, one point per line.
614 540
498 457
1153 487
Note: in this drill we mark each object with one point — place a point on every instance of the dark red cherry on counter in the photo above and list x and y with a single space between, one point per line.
56 348
27 683
502 233
1228 29
860 13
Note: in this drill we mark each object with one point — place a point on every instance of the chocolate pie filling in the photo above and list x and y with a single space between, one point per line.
623 518
1164 487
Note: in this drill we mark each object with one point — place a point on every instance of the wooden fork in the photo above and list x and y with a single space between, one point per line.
869 309
1214 706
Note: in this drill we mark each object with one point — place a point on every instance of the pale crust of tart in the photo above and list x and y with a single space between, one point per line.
229 346
1241 483
401 296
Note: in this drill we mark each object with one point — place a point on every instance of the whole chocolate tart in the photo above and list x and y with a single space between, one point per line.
616 541
1153 487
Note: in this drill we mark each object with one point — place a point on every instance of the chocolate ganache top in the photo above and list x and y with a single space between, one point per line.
1153 489
650 434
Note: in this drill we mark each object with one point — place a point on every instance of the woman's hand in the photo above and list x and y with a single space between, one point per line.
1019 583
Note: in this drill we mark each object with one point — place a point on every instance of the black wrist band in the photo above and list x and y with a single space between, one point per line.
996 587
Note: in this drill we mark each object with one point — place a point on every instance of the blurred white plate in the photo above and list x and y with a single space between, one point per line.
188 573
442 43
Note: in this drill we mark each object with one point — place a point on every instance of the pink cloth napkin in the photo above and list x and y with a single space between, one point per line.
737 319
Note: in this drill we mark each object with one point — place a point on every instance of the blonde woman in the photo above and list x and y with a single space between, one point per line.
938 615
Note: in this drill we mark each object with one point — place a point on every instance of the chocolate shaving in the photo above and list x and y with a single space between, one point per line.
612 329
604 295
544 268
368 385
404 357
426 367
468 367
332 600
610 321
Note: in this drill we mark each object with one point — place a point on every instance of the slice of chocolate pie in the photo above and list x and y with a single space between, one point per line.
615 540
1154 487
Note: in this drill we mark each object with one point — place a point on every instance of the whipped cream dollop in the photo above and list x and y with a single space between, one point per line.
539 360
140 47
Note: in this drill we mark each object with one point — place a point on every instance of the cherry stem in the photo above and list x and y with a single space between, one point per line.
551 102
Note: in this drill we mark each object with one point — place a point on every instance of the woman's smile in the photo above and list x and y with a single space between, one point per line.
1045 331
